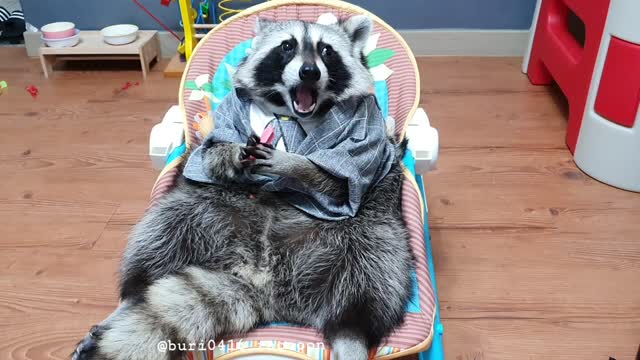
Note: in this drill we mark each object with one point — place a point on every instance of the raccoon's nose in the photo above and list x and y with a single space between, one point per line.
309 72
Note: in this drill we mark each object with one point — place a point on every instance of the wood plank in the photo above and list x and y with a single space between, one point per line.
509 339
68 223
31 337
502 188
473 75
175 68
116 232
96 57
497 119
540 275
62 267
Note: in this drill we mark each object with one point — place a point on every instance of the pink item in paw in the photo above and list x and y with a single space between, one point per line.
268 135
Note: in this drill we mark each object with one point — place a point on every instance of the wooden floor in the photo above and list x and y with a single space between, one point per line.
534 259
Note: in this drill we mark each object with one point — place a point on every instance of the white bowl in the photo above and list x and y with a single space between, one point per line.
64 42
119 34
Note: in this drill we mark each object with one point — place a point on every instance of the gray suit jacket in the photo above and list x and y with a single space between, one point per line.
350 144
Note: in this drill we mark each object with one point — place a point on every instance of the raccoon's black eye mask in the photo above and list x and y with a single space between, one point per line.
326 51
269 71
288 46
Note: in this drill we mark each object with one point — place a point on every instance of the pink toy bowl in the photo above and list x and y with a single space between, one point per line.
65 42
58 30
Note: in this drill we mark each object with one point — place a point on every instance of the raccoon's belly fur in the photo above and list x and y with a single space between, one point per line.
208 261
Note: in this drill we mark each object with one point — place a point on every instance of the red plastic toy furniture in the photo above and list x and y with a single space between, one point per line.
557 55
601 81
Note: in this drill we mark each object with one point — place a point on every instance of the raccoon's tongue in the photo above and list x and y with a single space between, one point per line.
305 100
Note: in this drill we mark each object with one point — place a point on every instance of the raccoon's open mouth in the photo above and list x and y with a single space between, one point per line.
304 99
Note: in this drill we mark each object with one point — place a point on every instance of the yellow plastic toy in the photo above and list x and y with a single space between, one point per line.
189 15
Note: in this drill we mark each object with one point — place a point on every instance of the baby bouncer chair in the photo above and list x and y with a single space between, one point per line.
207 79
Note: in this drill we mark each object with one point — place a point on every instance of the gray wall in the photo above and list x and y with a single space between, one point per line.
402 14
467 14
96 14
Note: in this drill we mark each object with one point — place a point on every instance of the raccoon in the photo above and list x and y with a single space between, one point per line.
217 259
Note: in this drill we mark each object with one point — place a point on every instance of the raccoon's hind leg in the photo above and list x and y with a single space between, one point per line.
190 226
352 278
190 307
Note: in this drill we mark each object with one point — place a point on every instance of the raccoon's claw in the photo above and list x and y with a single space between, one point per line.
253 140
243 154
270 161
260 151
247 162
87 347
246 159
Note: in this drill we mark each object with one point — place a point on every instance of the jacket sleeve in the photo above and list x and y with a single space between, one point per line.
362 158
230 125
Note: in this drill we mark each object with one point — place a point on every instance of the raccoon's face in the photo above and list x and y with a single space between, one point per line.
301 69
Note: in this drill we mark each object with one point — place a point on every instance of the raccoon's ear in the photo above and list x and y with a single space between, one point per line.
263 25
358 28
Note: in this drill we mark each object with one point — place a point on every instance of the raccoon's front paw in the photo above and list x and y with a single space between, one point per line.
224 161
87 348
267 160
253 141
248 152
245 159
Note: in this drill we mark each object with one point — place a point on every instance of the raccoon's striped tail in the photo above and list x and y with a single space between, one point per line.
349 345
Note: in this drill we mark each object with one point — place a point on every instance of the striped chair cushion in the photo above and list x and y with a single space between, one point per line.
300 342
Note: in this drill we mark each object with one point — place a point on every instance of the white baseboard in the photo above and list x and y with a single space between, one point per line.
423 42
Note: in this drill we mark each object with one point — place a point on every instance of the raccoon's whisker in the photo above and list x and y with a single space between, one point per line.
271 92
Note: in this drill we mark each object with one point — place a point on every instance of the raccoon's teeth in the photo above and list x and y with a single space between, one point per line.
303 111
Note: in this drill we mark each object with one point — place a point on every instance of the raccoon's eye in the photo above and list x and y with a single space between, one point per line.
286 46
327 51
